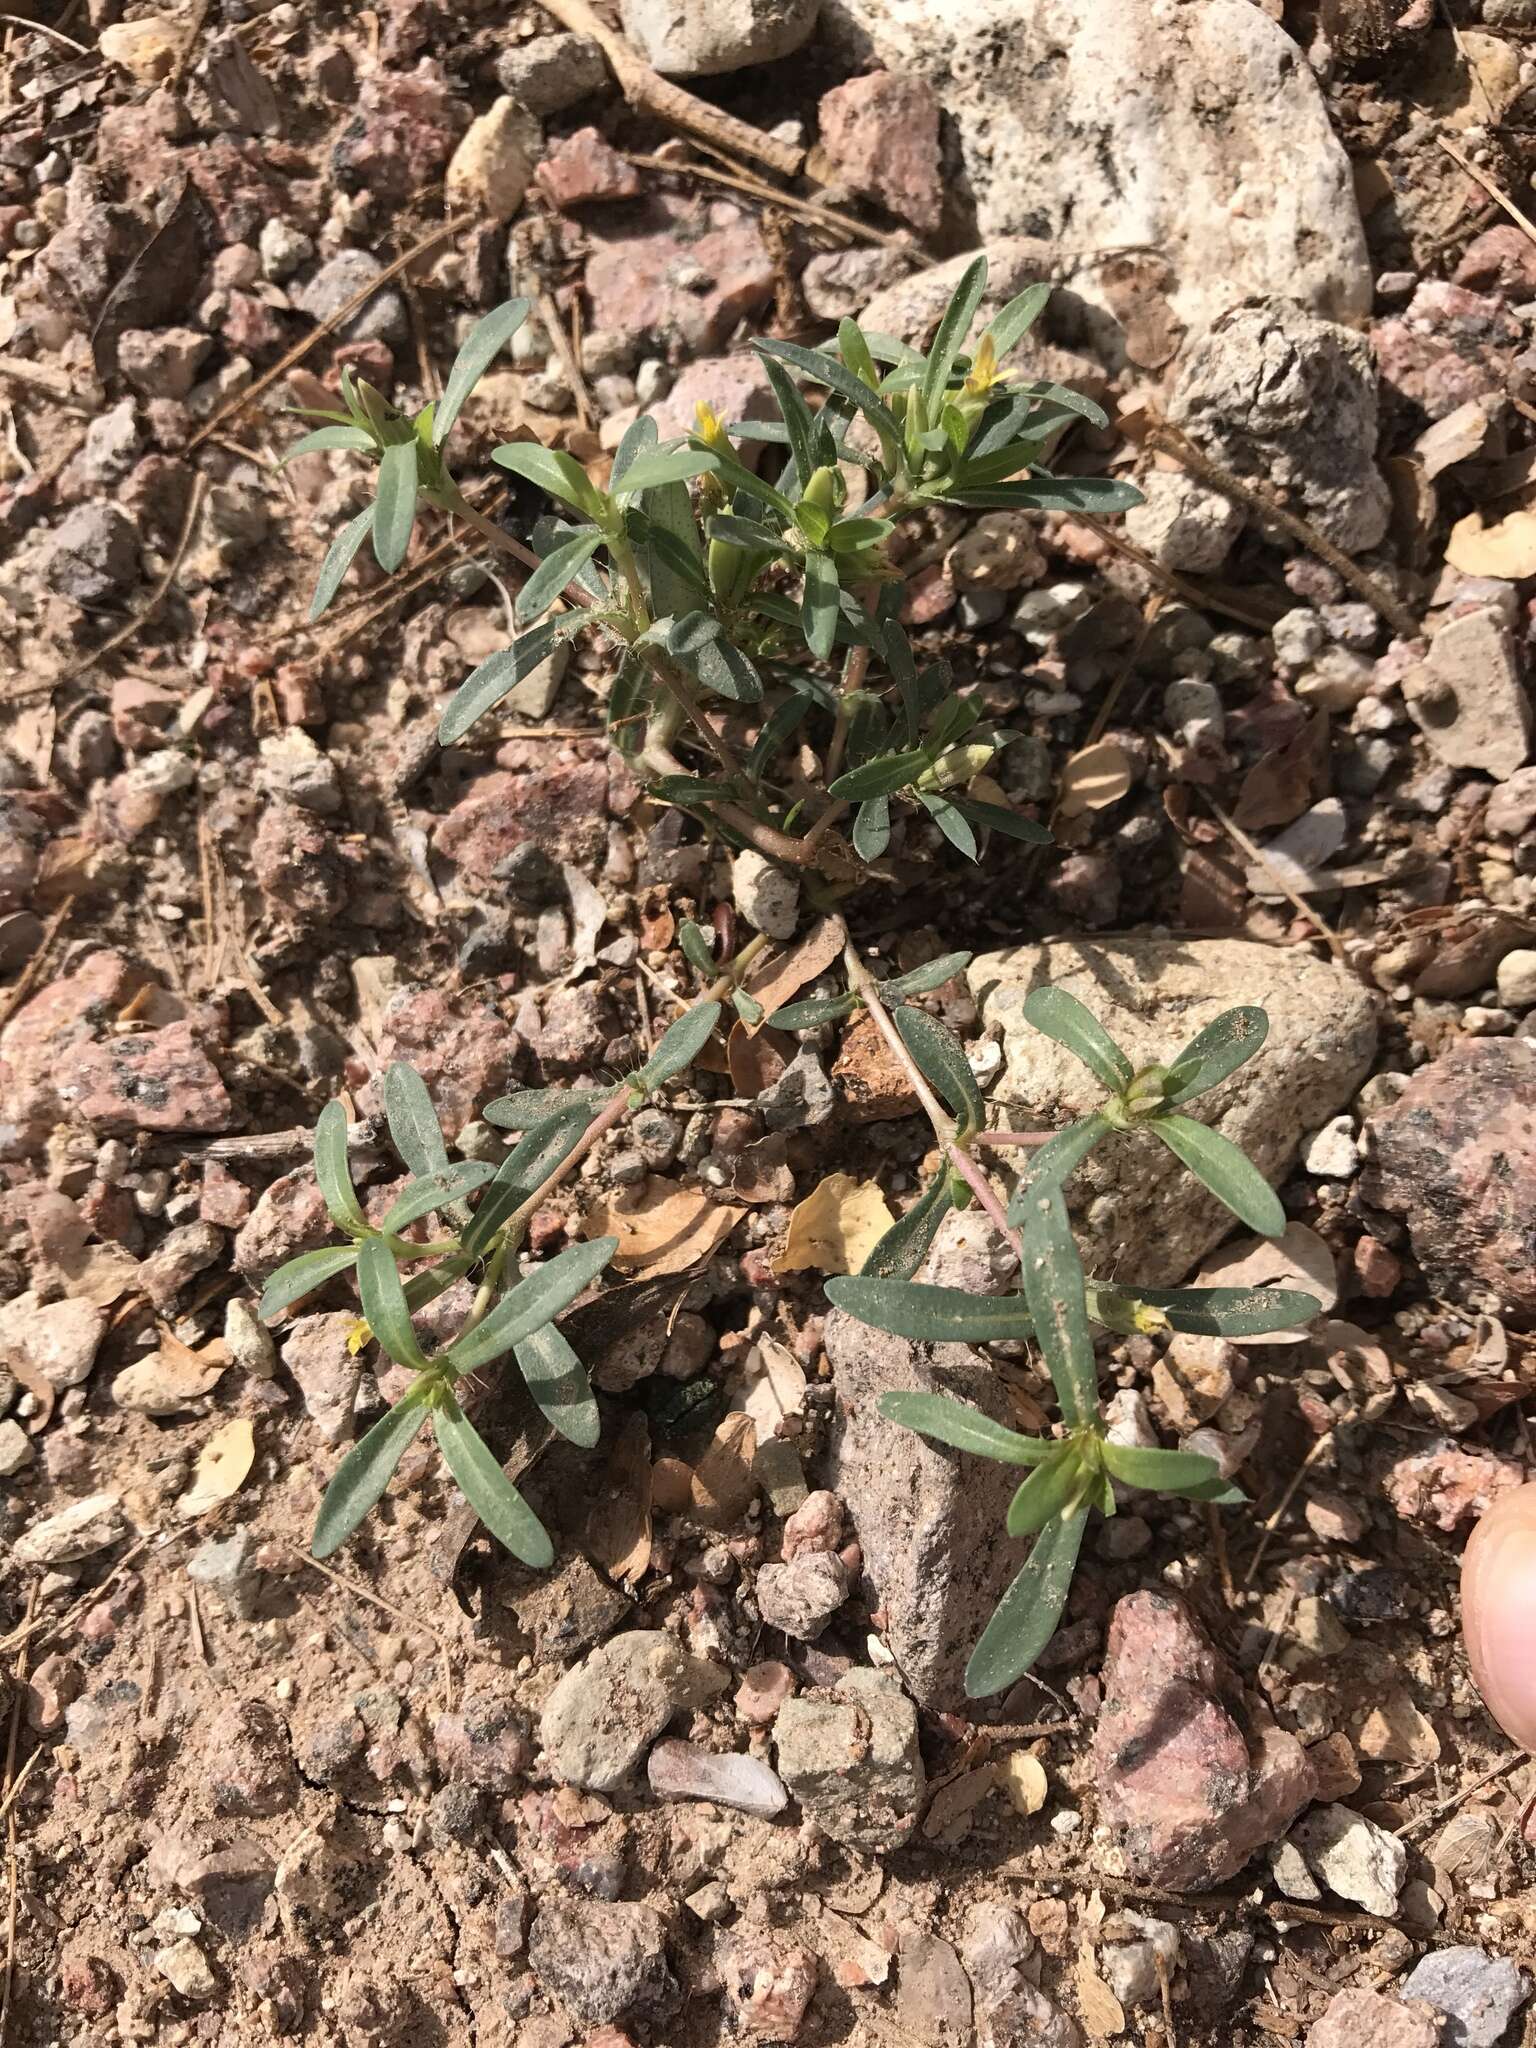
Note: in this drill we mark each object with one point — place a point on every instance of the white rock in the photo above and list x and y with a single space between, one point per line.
248 1340
186 1967
1467 698
493 165
79 1530
1332 1153
1353 1857
15 1449
767 897
57 1339
293 766
1184 524
1198 131
283 248
147 49
684 39
1144 1218
1517 979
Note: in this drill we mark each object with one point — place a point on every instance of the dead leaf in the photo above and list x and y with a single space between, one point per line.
589 913
1103 2014
723 1484
760 1172
1280 784
835 1228
98 1273
1022 1778
1094 778
756 1059
782 976
777 1389
671 1486
223 1466
1506 550
1300 1259
666 1230
158 281
950 1809
619 1521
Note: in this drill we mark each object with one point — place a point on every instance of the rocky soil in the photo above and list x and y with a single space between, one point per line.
713 1778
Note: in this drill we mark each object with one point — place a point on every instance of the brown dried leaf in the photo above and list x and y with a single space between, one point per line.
1506 550
756 1059
1093 778
1103 2014
667 1229
780 978
98 1273
778 1391
223 1466
619 1521
835 1228
723 1484
760 1172
950 1808
1282 783
671 1486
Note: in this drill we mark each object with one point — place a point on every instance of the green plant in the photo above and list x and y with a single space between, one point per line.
743 594
510 1311
1074 1473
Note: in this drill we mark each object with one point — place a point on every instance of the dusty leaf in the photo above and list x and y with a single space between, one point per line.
757 1058
1506 550
223 1466
619 1521
1300 1260
1094 777
723 1484
667 1229
1022 1778
781 977
835 1228
1103 2014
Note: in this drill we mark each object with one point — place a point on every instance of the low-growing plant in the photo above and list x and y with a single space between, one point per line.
747 591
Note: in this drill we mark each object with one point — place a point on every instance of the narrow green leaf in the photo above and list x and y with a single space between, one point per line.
667 466
1072 1024
854 350
394 509
531 1303
921 981
1026 1616
413 1126
1046 1491
485 687
1097 494
797 419
333 1172
558 568
679 1046
552 470
1157 1471
951 821
872 827
526 1167
530 1107
297 1277
639 437
383 1299
802 1016
848 534
697 947
1229 1174
963 1428
907 1243
1058 1159
488 1489
998 818
1009 327
1205 1311
747 533
673 558
557 1380
819 605
931 1315
953 329
339 557
1054 1290
880 777
1220 1049
941 1058
324 438
826 369
482 345
748 1009
358 1483
438 1191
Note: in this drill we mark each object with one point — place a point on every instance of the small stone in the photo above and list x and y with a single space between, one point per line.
316 1352
767 897
283 248
585 169
880 133
57 1339
1131 1966
1375 2019
1479 1994
1353 1857
801 1098
763 1690
294 769
1467 697
248 1340
493 165
684 1770
380 318
607 1710
604 1962
226 1566
852 1760
1517 979
768 1983
1184 524
162 362
703 42
551 73
801 1596
1332 1153
251 1761
80 1530
1448 1487
817 1524
94 554
187 1969
16 1450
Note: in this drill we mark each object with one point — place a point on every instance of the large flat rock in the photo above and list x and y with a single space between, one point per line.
1142 1216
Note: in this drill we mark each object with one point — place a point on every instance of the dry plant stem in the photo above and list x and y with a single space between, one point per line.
803 209
41 28
490 531
157 596
646 89
1160 435
1499 197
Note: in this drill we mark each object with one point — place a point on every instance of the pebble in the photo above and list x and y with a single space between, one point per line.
1353 1857
603 1961
1130 1965
852 1760
1375 2019
767 897
801 1098
58 1339
802 1595
763 1690
493 165
703 42
80 1530
606 1711
186 1967
1331 1153
1517 979
248 1340
1479 1994
551 73
341 277
768 1983
1467 697
226 1566
16 1449
684 1770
